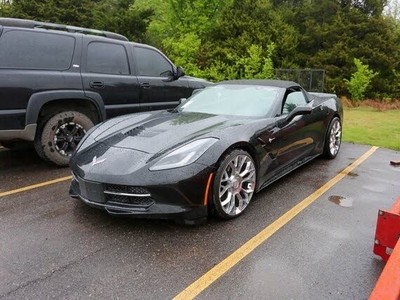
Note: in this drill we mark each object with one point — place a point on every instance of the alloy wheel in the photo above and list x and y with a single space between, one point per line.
237 184
67 137
335 138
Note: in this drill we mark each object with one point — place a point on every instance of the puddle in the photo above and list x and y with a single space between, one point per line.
395 163
342 201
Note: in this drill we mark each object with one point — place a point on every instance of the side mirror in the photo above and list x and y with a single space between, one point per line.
179 72
298 111
173 75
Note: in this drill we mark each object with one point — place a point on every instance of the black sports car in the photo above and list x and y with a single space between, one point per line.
210 154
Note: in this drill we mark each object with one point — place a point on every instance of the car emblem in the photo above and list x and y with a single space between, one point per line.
95 161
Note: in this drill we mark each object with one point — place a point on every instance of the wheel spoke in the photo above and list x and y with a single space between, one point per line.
236 162
245 197
243 160
229 204
225 176
64 147
239 203
74 130
224 189
64 130
232 167
249 176
246 170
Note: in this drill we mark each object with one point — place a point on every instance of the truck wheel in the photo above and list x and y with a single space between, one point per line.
59 135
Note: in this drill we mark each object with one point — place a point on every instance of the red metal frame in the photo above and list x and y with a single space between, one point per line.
387 230
387 236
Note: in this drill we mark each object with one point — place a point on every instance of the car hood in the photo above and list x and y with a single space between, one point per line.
154 132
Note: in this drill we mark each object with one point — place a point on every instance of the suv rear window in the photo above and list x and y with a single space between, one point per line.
36 50
107 58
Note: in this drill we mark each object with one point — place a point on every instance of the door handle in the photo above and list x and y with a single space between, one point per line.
96 84
145 85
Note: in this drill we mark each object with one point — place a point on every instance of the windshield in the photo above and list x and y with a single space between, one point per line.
237 100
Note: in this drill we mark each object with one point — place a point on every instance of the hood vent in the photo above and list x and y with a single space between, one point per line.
142 131
134 131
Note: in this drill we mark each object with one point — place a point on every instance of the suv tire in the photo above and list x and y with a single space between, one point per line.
59 134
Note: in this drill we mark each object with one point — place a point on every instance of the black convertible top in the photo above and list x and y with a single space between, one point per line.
263 82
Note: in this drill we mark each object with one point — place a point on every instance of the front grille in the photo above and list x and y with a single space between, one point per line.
116 188
129 200
128 195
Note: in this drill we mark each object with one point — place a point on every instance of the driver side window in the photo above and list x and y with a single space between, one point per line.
294 98
151 63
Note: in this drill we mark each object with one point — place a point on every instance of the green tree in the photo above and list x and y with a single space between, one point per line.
70 12
121 16
255 65
110 15
245 34
360 80
331 32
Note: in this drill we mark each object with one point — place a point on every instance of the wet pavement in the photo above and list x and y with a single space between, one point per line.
54 246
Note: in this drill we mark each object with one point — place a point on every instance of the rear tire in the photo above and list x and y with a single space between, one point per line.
333 139
234 184
59 135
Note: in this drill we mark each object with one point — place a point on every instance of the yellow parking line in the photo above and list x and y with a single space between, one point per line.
220 269
35 186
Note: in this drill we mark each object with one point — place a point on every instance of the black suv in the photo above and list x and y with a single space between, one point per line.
57 81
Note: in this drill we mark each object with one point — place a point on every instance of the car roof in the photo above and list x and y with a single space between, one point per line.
262 82
32 24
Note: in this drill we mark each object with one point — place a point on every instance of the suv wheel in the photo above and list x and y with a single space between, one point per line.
59 135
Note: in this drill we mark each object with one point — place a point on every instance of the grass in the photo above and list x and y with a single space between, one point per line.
367 125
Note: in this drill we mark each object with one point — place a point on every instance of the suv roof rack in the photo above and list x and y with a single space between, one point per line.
73 29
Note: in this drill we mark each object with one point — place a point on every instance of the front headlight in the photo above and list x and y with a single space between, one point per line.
184 155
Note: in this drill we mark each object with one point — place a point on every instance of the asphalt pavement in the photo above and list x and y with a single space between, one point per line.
52 246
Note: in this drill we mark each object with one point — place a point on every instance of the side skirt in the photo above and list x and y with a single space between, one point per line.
287 171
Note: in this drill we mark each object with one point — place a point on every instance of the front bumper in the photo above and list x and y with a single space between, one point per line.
184 198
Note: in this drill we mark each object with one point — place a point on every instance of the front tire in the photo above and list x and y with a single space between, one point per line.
333 139
234 184
59 135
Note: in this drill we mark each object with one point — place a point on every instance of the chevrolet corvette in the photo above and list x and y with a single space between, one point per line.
209 155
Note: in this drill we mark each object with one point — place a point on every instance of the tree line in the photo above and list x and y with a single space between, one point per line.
230 39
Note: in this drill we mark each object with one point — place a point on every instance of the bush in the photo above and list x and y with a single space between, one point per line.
360 80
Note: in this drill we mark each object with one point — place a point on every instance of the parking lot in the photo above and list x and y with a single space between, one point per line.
308 236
